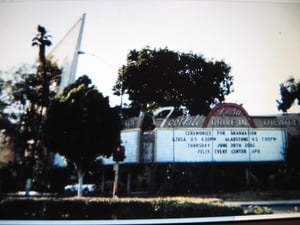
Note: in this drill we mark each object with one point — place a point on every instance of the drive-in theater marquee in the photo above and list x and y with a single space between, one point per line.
219 145
227 134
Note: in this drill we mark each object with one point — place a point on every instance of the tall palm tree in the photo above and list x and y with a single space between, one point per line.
42 40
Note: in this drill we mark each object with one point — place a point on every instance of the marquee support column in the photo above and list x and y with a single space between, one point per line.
116 180
103 181
128 187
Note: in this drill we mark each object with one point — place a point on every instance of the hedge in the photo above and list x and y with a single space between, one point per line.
34 208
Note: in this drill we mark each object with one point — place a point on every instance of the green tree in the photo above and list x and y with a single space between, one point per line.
290 92
31 90
156 78
80 125
4 122
3 104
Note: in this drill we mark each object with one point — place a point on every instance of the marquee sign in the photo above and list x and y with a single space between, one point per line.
219 145
226 134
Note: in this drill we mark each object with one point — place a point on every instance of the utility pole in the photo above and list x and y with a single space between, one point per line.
118 156
116 180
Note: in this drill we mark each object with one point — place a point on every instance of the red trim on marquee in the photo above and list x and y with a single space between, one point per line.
228 105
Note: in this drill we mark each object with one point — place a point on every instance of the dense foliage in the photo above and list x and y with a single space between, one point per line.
290 92
31 94
3 104
156 78
81 125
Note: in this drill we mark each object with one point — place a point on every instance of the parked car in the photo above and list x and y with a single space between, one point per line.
86 188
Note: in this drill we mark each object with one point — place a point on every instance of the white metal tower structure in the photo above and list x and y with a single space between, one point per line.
65 53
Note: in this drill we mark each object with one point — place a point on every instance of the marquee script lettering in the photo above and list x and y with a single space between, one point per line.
185 121
228 111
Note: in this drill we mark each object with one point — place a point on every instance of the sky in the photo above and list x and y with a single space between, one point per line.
260 40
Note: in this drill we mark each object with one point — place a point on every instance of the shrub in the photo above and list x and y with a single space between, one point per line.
257 210
106 208
171 209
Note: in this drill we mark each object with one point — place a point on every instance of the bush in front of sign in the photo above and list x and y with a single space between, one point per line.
106 208
257 210
179 209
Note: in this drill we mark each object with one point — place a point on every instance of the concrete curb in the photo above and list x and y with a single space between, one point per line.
269 203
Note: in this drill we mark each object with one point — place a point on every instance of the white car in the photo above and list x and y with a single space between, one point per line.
86 188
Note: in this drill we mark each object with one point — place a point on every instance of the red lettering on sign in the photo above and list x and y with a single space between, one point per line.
226 110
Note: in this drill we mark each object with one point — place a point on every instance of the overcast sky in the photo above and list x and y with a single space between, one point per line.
260 40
